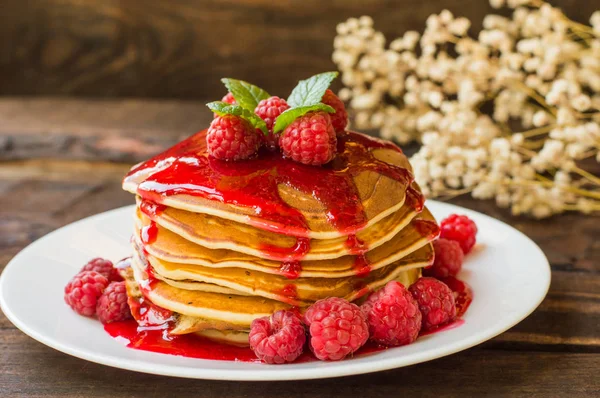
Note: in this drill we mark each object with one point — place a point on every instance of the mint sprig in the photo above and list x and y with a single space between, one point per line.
222 108
310 91
246 95
287 117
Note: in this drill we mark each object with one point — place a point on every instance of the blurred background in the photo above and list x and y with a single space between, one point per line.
180 49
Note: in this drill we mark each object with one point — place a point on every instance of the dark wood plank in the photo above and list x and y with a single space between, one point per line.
477 372
30 369
155 48
126 130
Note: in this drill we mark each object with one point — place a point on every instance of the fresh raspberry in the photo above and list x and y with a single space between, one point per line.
268 110
103 267
230 137
436 302
310 139
393 315
461 229
279 338
112 305
82 292
229 99
339 119
337 328
448 259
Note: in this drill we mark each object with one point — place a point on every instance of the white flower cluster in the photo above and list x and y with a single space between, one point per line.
510 115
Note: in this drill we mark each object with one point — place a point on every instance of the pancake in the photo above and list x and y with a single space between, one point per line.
277 194
192 315
305 290
215 309
173 248
202 286
216 233
231 337
184 324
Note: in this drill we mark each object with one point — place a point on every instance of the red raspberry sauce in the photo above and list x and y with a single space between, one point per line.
149 233
193 346
187 169
154 337
356 245
185 345
427 228
290 269
292 253
362 266
463 294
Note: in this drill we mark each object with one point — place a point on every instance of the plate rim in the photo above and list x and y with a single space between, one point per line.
270 372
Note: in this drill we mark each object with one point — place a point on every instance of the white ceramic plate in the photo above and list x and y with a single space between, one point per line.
509 275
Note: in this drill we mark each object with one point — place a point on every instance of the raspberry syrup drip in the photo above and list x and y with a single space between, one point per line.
293 253
361 290
289 293
362 266
356 245
147 284
149 233
427 229
151 276
290 269
463 294
151 209
415 199
187 169
148 315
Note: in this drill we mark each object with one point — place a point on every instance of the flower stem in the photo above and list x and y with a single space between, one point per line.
578 191
593 207
526 152
585 174
452 193
537 144
538 131
534 95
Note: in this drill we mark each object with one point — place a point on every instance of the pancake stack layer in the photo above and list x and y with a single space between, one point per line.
218 244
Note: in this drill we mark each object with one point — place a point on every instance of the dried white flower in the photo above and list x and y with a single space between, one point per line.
497 3
540 118
537 70
582 102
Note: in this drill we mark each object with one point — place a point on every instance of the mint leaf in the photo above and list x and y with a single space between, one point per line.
287 117
246 95
310 91
222 108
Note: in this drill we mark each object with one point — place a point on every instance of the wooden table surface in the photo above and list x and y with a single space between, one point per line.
180 49
61 160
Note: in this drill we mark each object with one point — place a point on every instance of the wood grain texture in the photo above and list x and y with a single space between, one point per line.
61 160
180 49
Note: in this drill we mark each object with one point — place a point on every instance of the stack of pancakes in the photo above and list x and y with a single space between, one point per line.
217 260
